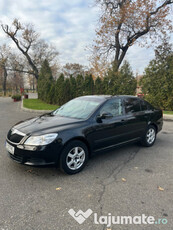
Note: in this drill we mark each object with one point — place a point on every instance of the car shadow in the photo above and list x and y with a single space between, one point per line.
95 163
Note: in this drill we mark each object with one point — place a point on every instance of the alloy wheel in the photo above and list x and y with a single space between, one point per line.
151 135
75 158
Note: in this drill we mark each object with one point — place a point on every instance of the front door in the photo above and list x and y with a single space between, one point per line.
109 131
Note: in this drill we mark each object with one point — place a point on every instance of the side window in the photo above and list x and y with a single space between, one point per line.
132 105
146 106
149 106
143 105
113 106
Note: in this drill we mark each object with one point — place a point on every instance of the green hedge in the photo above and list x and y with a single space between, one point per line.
16 97
63 89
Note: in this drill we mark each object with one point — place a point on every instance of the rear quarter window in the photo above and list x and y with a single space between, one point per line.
149 106
146 106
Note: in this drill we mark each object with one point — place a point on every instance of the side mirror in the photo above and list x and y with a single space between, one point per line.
104 116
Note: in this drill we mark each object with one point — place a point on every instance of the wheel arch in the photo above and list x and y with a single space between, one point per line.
82 139
153 124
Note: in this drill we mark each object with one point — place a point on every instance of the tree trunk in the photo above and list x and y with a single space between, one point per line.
118 60
5 81
33 84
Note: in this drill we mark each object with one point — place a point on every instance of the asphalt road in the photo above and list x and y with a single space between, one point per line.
29 199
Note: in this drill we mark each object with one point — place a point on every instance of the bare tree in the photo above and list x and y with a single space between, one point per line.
28 43
32 82
124 22
4 62
16 80
99 66
41 51
24 36
73 69
8 65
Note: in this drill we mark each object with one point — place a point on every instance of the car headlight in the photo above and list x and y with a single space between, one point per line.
41 140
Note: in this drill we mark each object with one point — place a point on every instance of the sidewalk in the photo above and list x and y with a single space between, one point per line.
32 95
167 117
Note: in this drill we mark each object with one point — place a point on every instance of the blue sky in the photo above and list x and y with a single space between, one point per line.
69 25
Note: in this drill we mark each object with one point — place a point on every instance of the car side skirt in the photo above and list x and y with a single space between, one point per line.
119 144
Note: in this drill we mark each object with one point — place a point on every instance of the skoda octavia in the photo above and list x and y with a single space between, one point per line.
69 135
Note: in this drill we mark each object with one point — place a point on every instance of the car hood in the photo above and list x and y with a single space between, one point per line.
45 123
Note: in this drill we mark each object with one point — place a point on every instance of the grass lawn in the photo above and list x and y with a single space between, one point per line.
38 105
168 112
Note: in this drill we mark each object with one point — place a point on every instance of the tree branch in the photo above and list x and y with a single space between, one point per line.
12 35
167 2
20 71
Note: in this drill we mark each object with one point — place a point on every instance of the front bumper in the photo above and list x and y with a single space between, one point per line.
44 155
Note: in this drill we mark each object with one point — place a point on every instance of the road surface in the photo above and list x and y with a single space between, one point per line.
123 182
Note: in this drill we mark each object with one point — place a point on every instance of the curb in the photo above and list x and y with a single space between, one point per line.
34 110
167 117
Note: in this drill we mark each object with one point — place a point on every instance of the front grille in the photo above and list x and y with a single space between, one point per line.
14 137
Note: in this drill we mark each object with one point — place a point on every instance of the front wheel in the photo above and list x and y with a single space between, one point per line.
74 157
149 137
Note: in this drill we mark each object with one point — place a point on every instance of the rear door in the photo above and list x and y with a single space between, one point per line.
136 119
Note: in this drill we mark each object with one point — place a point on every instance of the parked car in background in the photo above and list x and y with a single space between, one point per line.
69 135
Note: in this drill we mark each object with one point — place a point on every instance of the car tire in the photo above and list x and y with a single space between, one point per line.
73 157
150 136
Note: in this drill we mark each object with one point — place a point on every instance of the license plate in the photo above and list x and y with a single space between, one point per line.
9 148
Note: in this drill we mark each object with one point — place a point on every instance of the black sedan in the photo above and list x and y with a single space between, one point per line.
69 135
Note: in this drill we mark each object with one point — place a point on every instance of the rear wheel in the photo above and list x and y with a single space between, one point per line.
149 137
74 157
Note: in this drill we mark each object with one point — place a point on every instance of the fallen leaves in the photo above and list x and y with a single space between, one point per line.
123 179
160 188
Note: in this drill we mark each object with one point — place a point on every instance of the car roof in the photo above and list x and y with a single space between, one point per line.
129 96
97 97
106 97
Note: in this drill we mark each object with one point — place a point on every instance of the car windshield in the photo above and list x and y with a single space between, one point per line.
80 108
